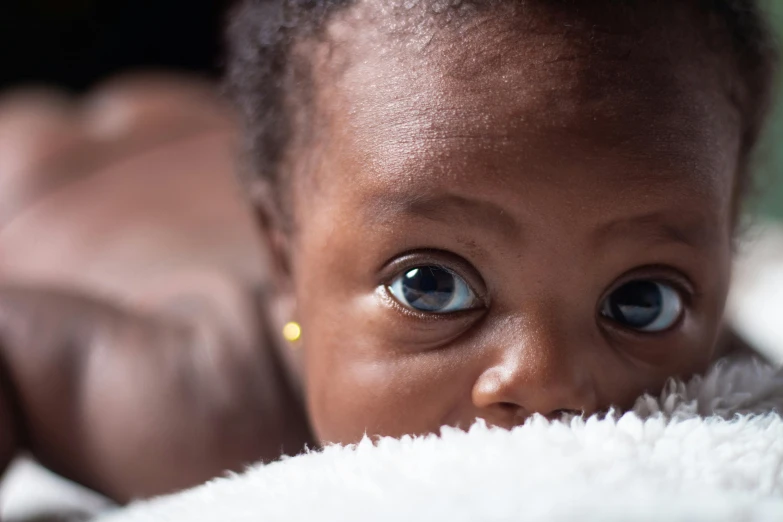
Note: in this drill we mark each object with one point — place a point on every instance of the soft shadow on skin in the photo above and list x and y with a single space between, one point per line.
64 516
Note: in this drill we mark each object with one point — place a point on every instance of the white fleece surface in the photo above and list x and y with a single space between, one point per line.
664 461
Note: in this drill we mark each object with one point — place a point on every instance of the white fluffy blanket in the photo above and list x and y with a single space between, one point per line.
710 450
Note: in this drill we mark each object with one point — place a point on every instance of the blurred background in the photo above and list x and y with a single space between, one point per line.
769 199
75 44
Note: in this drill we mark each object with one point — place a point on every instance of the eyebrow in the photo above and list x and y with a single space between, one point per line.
444 208
688 230
694 233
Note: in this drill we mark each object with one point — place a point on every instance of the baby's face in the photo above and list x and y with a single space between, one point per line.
504 225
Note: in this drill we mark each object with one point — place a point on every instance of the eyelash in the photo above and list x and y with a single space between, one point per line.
672 276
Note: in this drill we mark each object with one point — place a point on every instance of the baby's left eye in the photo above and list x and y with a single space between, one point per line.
432 289
645 306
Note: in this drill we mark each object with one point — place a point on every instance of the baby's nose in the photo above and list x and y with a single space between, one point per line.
539 372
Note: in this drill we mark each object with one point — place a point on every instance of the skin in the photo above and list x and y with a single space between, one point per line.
529 174
546 172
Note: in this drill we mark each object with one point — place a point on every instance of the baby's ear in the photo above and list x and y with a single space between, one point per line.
274 233
276 240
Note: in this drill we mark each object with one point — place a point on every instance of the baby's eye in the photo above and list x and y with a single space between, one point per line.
432 289
644 305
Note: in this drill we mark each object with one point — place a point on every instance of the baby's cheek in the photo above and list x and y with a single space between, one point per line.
365 391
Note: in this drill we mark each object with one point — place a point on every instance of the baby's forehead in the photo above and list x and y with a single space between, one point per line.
495 80
482 67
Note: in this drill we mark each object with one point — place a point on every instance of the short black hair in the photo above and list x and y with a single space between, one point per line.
263 76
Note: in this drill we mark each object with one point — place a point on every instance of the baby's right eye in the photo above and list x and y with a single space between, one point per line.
432 289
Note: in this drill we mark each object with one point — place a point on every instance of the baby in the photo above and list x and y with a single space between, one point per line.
474 209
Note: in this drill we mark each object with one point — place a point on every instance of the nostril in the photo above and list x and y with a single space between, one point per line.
517 410
558 414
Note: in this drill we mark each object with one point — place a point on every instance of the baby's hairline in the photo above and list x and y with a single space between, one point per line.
297 138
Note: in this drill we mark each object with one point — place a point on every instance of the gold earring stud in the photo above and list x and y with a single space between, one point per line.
292 332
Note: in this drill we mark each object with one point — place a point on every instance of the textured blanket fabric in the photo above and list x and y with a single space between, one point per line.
710 450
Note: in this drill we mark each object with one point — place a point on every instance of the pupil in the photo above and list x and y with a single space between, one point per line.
636 304
428 288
